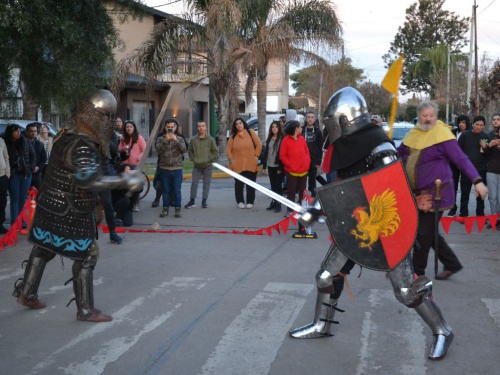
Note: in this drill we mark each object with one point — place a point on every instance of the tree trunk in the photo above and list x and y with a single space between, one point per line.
262 102
222 116
29 108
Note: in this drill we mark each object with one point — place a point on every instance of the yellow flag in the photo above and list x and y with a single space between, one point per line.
391 79
391 84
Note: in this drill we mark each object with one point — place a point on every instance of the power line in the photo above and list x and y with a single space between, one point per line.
163 5
487 7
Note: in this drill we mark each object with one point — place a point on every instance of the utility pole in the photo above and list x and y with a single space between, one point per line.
320 93
448 84
469 72
476 101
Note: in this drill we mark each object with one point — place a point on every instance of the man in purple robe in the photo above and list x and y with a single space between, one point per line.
427 151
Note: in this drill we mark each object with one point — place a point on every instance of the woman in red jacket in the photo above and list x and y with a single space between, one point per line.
294 154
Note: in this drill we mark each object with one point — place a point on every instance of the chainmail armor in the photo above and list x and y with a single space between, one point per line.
64 219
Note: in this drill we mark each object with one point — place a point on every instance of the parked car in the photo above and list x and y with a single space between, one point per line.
23 124
400 130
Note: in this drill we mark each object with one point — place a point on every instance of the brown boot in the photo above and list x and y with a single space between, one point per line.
34 303
96 316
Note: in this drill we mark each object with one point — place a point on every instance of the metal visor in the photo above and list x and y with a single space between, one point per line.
373 217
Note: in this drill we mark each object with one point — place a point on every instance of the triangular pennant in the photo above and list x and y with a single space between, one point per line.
284 224
269 231
469 223
493 219
276 227
446 223
481 220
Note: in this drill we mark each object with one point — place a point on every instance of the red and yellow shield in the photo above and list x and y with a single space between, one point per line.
373 218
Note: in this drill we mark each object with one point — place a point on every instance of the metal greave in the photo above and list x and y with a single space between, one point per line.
417 294
432 316
83 285
32 277
322 321
325 308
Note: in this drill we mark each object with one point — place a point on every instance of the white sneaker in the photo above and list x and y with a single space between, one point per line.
241 205
249 205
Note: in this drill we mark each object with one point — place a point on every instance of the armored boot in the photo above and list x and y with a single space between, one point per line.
443 335
26 290
83 279
323 319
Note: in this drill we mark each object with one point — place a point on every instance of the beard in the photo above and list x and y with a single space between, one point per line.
425 127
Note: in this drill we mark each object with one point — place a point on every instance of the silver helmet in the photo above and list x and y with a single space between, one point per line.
103 101
348 108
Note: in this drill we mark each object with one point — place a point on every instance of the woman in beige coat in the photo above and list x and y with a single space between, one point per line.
243 150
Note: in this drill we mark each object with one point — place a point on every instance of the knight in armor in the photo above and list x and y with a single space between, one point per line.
360 146
64 221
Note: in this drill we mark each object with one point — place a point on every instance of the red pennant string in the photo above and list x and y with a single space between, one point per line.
11 237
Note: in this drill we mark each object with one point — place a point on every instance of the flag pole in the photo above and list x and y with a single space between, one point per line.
391 84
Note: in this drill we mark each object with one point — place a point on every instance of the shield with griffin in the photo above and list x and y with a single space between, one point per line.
373 217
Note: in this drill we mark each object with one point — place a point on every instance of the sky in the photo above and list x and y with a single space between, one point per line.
370 26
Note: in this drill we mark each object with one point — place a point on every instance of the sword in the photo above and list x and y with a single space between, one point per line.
294 206
437 201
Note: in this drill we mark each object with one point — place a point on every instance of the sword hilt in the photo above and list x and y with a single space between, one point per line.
437 197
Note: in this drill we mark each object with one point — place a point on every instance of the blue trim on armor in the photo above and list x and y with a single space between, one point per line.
57 241
86 172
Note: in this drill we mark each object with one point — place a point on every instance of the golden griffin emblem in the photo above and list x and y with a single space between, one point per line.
382 221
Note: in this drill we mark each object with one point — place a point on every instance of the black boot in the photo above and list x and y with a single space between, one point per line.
272 205
277 207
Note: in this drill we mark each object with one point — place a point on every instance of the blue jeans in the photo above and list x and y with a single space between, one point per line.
18 192
171 182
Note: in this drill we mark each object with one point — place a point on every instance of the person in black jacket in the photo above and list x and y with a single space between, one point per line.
41 154
22 161
462 125
312 134
474 144
271 164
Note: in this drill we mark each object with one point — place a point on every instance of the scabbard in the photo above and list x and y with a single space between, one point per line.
436 238
437 201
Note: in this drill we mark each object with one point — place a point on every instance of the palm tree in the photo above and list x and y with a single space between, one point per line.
292 31
213 41
433 63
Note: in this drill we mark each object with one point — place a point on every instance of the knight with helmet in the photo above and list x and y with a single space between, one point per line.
64 221
361 150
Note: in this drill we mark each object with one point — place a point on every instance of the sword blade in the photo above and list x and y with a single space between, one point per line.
294 206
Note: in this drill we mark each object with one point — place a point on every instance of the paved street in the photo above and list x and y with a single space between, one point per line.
204 303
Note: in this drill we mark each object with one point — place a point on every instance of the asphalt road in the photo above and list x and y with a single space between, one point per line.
205 303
